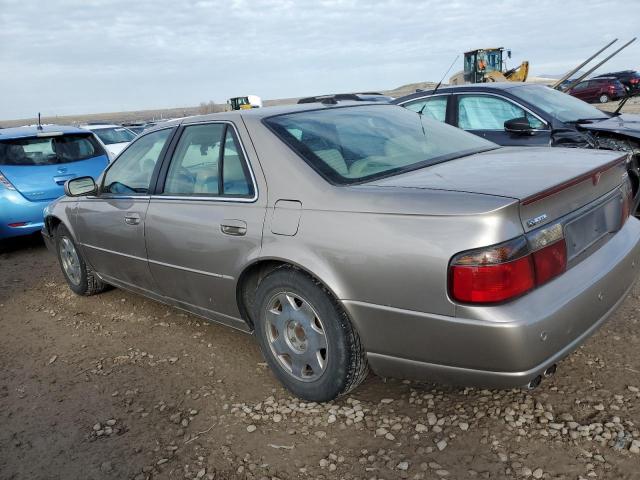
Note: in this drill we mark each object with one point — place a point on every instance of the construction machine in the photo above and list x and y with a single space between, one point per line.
245 103
489 65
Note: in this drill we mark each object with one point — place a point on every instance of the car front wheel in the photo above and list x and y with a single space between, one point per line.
79 276
306 337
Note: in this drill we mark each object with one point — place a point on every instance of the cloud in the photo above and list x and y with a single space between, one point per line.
73 56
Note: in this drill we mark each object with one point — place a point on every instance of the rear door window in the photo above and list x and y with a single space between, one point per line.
208 161
434 107
49 149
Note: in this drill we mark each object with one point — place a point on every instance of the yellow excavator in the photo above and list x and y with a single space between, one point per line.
488 65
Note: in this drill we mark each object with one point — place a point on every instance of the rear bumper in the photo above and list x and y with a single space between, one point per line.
14 208
506 345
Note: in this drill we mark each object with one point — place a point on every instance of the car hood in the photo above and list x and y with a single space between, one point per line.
625 124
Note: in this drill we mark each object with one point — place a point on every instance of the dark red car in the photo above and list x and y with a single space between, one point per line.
601 90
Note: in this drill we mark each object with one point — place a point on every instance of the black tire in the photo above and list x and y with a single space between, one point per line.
345 366
87 282
604 98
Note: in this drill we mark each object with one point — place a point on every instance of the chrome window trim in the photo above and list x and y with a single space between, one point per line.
216 198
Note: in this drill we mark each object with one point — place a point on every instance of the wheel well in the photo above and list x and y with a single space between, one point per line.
251 278
52 223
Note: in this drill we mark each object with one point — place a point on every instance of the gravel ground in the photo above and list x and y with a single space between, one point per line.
117 386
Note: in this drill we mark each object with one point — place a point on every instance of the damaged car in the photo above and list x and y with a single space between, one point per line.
518 114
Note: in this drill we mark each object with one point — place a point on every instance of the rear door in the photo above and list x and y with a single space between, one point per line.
110 226
484 115
204 224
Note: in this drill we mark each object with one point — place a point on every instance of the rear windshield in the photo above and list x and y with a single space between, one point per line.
112 135
49 150
356 144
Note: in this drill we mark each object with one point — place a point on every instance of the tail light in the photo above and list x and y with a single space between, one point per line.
505 271
6 183
634 81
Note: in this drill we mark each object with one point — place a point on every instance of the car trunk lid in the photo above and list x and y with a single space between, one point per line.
548 182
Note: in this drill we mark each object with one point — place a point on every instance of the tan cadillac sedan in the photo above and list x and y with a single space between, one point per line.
348 236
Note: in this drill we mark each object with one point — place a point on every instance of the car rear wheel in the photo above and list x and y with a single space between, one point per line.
604 98
306 337
79 276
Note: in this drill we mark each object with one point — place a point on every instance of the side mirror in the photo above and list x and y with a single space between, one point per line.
80 187
518 125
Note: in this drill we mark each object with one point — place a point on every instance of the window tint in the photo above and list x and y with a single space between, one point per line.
49 150
131 172
484 112
208 162
352 144
434 107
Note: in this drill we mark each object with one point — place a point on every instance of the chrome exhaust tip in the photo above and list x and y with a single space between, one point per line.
535 382
550 370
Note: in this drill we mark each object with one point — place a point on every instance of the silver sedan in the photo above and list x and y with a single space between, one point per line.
357 236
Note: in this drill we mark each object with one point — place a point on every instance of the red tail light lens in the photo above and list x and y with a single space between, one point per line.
550 261
6 183
492 275
492 283
506 271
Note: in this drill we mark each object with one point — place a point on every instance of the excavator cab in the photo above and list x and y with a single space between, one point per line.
488 65
245 103
478 63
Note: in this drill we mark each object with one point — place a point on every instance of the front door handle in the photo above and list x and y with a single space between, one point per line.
234 227
132 219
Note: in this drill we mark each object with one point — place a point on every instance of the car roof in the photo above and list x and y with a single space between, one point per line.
259 113
489 87
97 126
33 131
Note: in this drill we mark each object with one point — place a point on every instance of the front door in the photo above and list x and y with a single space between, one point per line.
484 115
111 225
205 222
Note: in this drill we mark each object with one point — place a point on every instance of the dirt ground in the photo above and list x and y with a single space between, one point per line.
120 387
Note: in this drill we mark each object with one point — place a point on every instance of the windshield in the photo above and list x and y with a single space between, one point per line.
355 144
560 105
49 150
114 135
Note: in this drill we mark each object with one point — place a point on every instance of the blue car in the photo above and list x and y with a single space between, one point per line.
35 162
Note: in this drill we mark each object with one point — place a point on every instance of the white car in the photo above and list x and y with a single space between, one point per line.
114 138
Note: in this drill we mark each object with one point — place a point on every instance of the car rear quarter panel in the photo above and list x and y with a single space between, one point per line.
384 245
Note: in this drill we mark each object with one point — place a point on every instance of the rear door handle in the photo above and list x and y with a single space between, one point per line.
132 219
234 227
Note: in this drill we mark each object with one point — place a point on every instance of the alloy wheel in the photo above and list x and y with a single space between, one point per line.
70 260
296 336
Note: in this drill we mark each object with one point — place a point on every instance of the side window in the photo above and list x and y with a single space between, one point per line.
131 173
434 107
484 112
208 162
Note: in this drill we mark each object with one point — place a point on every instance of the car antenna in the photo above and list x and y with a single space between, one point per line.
440 82
39 123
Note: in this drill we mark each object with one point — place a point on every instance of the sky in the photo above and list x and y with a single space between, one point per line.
62 57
